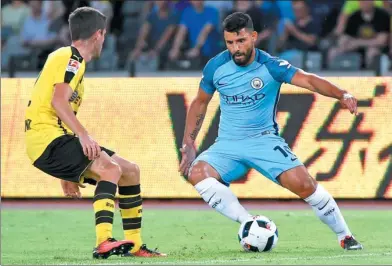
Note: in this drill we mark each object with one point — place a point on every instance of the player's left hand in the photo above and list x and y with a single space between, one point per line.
188 153
348 101
71 189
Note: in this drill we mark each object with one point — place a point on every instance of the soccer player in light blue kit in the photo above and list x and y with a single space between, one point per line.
248 81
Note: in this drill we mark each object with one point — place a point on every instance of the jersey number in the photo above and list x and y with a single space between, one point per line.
286 152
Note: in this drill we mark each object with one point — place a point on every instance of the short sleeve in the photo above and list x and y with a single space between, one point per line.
350 7
150 17
65 68
383 22
213 17
207 82
281 70
352 25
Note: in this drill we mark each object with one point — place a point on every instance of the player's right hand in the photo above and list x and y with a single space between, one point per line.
90 147
188 156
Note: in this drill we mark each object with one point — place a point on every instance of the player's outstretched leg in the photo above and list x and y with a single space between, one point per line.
109 173
205 180
130 204
298 181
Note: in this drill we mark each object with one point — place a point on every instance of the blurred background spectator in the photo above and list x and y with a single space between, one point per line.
299 36
367 32
185 34
156 35
106 8
199 29
13 16
349 8
35 37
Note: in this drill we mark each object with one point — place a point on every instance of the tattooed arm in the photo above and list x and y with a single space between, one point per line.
194 121
195 117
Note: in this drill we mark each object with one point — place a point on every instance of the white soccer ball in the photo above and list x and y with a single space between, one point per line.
258 234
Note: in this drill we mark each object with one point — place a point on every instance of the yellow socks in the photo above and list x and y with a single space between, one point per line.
104 210
130 204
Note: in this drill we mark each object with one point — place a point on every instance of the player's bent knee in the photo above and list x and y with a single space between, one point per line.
111 172
106 168
307 188
200 171
130 173
298 181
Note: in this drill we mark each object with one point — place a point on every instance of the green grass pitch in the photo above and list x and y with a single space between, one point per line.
66 236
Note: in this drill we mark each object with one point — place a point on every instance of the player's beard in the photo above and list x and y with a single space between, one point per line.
245 59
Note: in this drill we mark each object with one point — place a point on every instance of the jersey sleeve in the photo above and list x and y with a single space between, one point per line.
281 70
65 68
207 83
349 7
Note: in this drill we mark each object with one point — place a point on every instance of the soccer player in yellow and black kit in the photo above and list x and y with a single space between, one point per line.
59 145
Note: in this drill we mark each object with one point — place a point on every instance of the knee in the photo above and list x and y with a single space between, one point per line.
197 173
307 188
109 170
130 172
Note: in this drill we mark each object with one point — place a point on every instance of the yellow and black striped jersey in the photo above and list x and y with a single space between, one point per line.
42 125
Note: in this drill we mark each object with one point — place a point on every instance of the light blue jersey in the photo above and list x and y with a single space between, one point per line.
248 95
248 132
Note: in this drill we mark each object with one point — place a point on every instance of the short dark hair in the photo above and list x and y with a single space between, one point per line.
237 21
84 22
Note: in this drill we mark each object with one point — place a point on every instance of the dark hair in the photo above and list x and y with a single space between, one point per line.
84 22
237 21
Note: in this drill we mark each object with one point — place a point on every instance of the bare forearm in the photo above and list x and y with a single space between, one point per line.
379 41
66 114
341 25
194 121
283 39
324 87
263 35
201 39
165 38
308 38
179 38
143 35
43 43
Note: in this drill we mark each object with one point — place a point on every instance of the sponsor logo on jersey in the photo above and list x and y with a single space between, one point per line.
73 66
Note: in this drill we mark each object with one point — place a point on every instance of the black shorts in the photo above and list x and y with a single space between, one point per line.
64 159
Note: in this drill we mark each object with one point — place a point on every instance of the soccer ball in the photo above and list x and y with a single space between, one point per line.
258 234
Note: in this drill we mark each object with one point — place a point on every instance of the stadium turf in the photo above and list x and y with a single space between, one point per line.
61 237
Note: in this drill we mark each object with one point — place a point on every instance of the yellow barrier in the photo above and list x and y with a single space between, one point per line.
142 120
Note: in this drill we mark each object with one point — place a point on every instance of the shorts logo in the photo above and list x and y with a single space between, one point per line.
256 83
73 66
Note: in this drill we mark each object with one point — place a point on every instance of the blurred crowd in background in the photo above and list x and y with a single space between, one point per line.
184 34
